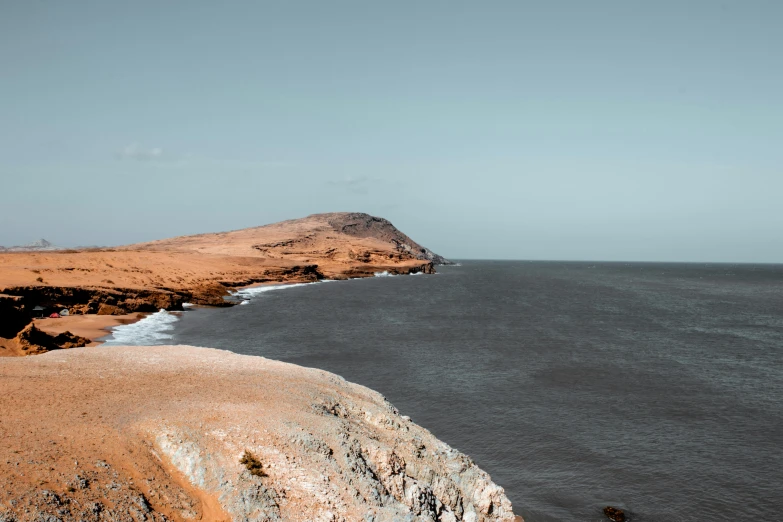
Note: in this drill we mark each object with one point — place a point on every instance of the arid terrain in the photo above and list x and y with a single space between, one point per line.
119 283
182 433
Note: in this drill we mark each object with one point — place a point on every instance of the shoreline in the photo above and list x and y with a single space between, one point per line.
92 326
97 327
238 296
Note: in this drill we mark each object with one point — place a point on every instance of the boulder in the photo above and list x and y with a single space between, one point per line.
32 340
614 514
107 309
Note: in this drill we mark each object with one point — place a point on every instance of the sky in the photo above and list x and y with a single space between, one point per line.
603 130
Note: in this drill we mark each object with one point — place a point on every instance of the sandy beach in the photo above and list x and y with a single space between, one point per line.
94 327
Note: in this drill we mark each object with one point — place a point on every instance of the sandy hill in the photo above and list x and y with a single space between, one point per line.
338 236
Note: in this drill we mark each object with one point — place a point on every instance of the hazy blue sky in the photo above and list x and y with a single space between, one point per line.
621 130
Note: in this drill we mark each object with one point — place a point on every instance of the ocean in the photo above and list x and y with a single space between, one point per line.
657 388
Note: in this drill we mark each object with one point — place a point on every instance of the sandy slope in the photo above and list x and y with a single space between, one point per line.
143 433
226 257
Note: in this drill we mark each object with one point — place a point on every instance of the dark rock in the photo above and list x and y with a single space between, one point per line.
51 497
80 482
33 340
141 501
358 224
15 315
107 309
614 514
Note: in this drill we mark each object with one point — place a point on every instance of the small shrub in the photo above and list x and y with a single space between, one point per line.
252 464
39 279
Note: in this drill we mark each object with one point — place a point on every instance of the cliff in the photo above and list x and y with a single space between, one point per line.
200 269
183 433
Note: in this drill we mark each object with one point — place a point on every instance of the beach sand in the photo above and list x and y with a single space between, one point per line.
91 326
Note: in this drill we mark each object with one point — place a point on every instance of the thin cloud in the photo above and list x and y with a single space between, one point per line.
360 185
134 151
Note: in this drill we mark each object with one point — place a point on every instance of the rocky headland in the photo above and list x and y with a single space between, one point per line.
119 283
182 433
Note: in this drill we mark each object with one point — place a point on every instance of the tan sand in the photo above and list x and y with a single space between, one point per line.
236 258
91 326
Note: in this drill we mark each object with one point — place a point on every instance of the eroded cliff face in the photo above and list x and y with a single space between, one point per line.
358 224
183 433
33 341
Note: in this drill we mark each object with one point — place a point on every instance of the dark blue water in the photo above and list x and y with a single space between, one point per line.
654 387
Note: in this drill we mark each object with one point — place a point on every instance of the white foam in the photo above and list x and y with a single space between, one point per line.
385 273
258 290
153 329
188 305
245 302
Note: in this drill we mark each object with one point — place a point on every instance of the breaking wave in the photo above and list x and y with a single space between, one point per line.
153 329
247 293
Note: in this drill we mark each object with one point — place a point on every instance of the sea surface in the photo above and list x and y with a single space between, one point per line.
657 388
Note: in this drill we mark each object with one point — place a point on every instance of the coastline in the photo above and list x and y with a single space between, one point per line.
93 327
96 326
201 270
157 325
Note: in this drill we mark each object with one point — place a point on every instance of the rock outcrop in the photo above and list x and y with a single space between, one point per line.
614 514
32 341
358 224
183 433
